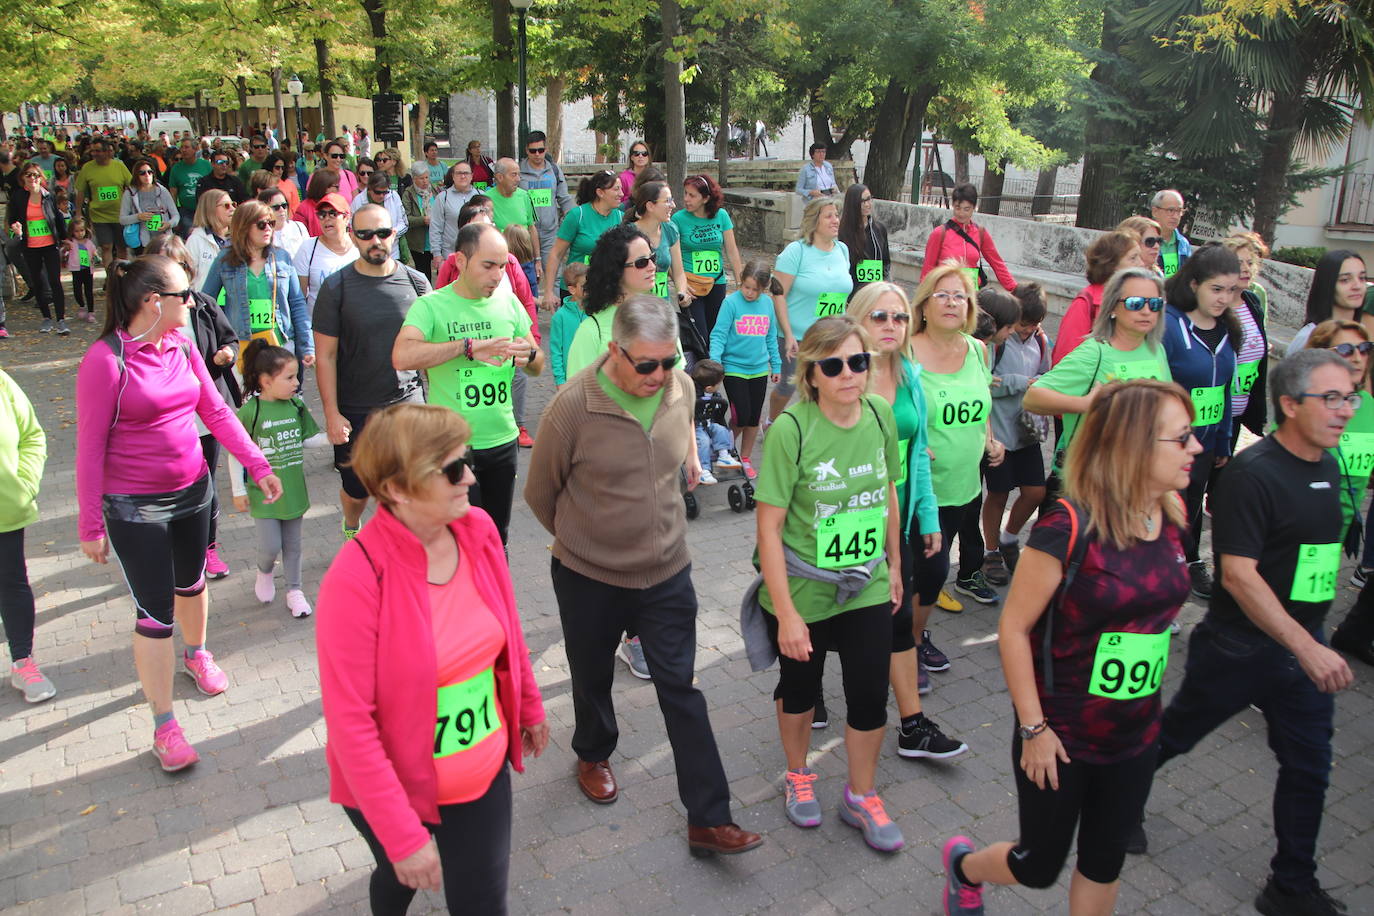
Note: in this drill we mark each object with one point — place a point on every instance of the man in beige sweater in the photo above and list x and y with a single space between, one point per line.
603 479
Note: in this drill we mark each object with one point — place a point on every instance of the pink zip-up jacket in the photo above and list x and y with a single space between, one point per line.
1077 323
379 676
945 244
136 432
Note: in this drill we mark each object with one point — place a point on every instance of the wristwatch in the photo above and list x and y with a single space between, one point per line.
1027 732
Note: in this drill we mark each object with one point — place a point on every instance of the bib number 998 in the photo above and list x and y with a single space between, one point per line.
487 394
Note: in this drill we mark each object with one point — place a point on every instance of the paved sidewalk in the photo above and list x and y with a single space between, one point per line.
88 824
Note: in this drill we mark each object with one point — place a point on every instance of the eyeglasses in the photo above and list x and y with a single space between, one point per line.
363 173
280 206
381 159
456 469
278 166
832 366
366 235
258 146
178 293
880 316
1136 303
1152 241
864 200
1334 399
227 205
536 150
460 173
1182 438
1348 350
649 365
636 153
956 298
1173 210
264 224
327 214
144 172
219 162
640 263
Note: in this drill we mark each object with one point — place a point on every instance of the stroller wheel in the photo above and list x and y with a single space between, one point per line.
736 498
690 500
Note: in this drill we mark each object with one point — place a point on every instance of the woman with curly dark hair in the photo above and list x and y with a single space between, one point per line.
621 265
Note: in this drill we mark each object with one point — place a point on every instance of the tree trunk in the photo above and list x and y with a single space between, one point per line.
282 130
674 100
241 85
961 166
1045 183
900 116
553 116
505 92
820 121
612 152
326 87
1097 204
723 133
200 114
376 20
916 166
1276 155
990 198
417 135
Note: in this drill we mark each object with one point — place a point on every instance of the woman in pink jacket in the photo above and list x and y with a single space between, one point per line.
968 245
426 683
142 484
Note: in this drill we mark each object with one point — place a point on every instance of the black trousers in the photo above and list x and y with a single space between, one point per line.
83 289
16 597
209 445
474 851
45 275
494 491
594 615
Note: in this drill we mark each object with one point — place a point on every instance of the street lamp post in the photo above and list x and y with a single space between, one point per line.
523 7
296 87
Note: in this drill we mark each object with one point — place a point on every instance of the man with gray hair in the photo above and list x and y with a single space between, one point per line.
511 203
1167 209
603 479
1277 527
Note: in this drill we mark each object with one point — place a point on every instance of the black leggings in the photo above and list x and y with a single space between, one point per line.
45 273
863 639
83 288
1199 481
474 850
931 572
746 399
494 490
706 308
1104 801
143 549
16 597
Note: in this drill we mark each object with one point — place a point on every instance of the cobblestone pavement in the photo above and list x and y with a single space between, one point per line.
88 824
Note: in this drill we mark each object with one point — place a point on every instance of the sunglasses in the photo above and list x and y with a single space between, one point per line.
648 366
864 200
383 158
264 224
1152 241
456 469
640 263
144 172
178 293
832 366
363 173
338 155
367 234
327 214
536 150
220 162
1182 438
879 316
1348 350
1136 303
258 146
639 152
280 206
278 166
227 205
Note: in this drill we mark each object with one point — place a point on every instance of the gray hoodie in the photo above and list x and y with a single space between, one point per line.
1018 363
561 202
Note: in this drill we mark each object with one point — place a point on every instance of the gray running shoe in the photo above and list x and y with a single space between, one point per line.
867 814
46 326
961 899
632 653
62 329
800 799
32 683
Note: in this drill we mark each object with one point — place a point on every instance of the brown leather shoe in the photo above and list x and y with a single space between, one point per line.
597 782
727 840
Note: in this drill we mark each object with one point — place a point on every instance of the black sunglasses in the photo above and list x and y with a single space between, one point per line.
179 293
363 173
641 262
264 223
280 206
832 366
1136 303
881 315
456 469
258 146
1152 241
367 234
141 172
338 156
536 150
326 214
1348 350
649 365
639 152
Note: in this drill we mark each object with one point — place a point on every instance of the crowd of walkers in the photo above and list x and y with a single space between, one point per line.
411 297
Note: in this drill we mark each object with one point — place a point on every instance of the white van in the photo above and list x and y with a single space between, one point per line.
169 121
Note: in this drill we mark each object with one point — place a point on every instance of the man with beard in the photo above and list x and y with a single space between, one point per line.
359 311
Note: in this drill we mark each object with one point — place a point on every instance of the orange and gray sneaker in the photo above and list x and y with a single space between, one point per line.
800 798
867 814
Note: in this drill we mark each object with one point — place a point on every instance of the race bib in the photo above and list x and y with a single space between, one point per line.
485 387
465 714
1169 260
972 274
47 176
903 446
1135 369
541 197
261 315
1315 577
154 222
83 257
107 193
39 227
830 304
1129 666
957 407
1246 376
661 284
706 263
1357 454
850 538
869 271
480 185
1209 403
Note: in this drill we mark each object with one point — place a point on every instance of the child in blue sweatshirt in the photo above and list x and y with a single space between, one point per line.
564 324
745 342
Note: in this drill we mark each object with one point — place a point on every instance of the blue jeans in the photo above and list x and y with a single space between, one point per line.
711 440
1230 669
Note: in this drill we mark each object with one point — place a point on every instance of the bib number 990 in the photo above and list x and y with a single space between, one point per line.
1128 666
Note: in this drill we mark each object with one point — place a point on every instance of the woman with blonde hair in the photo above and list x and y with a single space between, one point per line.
391 164
210 236
1249 406
1084 639
1151 238
831 565
1110 252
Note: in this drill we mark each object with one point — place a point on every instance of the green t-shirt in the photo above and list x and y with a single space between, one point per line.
102 187
262 313
959 405
833 484
590 340
184 179
582 227
280 429
247 169
703 242
907 420
1094 363
517 209
1355 455
479 391
642 409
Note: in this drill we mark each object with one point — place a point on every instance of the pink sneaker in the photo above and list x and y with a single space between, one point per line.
90 317
215 568
201 667
4 333
171 748
749 469
297 604
264 588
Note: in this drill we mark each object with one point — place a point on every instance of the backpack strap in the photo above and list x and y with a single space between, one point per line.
1073 559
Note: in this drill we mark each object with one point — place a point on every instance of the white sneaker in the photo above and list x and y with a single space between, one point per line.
297 604
707 478
726 460
265 588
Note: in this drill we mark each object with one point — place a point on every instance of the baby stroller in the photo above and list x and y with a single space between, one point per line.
692 339
740 495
